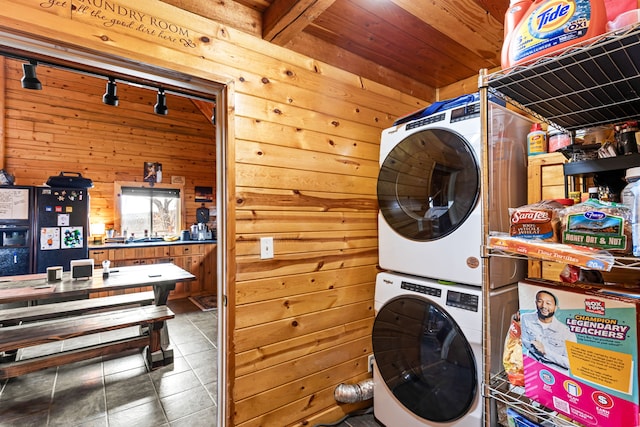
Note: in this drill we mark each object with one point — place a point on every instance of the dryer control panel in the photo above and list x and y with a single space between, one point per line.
427 290
462 300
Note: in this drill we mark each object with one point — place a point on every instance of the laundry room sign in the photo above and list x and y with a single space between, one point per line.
137 22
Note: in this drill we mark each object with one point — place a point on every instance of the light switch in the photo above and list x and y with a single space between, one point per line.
266 247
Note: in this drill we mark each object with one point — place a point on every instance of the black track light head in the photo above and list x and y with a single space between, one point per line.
161 103
110 97
29 79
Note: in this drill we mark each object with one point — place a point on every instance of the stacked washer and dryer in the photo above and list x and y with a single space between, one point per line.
427 334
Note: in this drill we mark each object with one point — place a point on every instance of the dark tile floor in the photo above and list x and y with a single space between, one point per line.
119 391
366 420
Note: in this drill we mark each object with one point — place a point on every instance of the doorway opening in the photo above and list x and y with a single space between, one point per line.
172 82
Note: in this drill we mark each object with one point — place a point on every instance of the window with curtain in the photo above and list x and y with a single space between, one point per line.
150 211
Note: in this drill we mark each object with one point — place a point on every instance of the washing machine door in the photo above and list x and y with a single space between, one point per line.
428 184
425 359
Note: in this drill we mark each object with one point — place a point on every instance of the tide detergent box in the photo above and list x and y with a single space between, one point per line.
580 350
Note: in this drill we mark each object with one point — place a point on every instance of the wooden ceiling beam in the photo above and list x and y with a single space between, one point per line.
320 50
464 21
285 19
230 13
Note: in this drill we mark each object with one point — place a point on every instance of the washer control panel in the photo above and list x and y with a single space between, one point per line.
427 290
464 113
426 121
462 300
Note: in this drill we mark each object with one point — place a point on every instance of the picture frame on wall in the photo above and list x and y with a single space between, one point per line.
152 172
204 194
149 172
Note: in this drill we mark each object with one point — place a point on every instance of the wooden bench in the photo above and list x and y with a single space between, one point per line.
15 316
36 332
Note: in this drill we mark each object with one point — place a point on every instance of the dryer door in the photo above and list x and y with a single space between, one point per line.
425 359
428 184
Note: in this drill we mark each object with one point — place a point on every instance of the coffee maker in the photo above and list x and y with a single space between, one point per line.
201 231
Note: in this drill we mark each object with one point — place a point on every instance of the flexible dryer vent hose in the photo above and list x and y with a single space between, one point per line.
352 393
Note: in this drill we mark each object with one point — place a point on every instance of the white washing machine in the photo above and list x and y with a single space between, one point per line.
427 344
429 192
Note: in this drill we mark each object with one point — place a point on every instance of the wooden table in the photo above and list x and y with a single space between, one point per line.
34 287
163 278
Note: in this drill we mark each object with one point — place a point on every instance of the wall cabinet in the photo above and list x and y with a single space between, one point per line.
584 86
198 259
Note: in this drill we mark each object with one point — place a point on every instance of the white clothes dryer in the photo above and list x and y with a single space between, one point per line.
427 344
429 192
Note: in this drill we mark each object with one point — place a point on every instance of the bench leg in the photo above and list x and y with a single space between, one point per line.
159 352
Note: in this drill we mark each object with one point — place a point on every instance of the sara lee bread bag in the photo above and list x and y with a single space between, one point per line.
539 220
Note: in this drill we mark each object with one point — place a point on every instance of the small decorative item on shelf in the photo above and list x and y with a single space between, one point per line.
626 137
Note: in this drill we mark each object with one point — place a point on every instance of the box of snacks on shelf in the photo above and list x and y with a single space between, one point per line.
580 350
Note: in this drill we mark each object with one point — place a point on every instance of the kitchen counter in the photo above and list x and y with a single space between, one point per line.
199 257
142 244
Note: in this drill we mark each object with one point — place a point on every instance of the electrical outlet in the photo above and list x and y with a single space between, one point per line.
370 360
266 247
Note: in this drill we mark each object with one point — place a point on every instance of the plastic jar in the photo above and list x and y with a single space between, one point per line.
630 197
558 140
536 140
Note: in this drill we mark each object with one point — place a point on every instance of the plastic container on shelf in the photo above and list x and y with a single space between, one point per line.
625 19
558 140
549 26
536 140
631 198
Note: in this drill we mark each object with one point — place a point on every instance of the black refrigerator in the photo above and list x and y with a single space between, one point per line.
61 227
16 233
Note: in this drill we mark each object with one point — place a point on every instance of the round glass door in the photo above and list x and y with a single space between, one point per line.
428 184
424 359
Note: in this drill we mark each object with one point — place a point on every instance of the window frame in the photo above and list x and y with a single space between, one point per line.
117 188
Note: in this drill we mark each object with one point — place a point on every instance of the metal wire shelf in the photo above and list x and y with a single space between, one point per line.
501 390
632 263
590 84
586 85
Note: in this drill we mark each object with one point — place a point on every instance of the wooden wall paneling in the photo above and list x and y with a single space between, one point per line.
287 328
310 372
295 305
304 139
286 199
263 221
257 359
330 121
290 158
300 242
301 180
262 289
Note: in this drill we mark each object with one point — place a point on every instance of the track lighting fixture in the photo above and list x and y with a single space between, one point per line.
29 79
161 103
110 97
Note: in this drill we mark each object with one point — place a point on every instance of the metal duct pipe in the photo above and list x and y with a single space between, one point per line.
352 393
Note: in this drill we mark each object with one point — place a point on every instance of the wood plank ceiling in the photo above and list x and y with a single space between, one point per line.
412 45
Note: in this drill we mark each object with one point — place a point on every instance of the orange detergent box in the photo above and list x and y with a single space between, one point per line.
580 350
